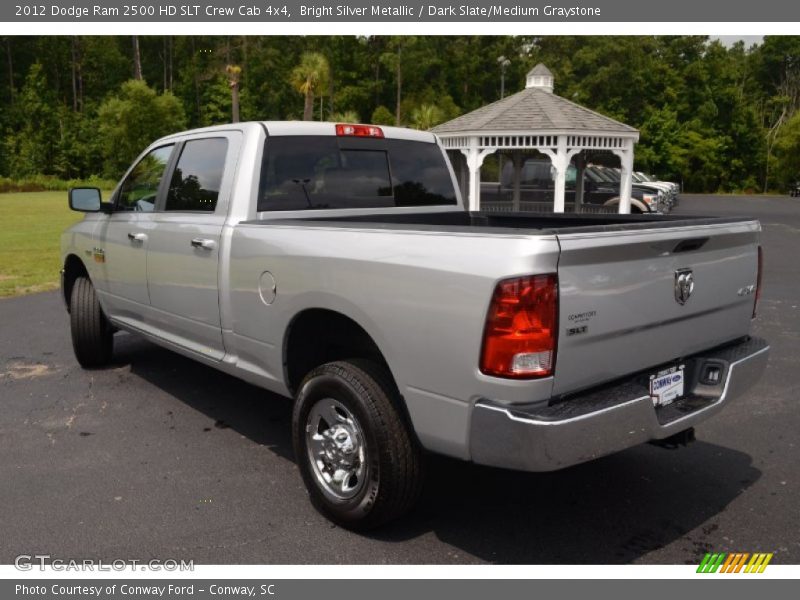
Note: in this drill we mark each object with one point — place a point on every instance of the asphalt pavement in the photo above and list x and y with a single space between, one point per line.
160 457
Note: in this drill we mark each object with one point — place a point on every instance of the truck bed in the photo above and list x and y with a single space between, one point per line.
617 276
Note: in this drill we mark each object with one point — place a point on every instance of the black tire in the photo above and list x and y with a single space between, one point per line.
392 477
92 334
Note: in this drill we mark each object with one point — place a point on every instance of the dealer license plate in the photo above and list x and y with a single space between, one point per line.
666 386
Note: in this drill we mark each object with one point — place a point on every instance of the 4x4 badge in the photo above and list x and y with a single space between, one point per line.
684 285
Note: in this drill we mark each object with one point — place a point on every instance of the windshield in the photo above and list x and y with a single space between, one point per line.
600 174
612 175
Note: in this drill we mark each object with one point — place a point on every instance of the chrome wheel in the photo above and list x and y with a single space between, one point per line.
336 449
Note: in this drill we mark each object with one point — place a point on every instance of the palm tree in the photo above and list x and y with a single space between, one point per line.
347 116
310 76
234 74
426 116
393 59
137 60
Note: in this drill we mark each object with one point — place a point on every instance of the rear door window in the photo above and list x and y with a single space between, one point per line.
319 172
197 177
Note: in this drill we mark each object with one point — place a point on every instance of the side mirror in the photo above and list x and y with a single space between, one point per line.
85 199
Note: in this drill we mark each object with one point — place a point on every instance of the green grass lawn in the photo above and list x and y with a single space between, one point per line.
30 229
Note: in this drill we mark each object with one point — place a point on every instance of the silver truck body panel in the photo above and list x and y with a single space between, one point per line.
421 294
426 316
621 285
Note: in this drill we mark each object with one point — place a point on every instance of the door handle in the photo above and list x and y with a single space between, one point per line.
137 237
203 243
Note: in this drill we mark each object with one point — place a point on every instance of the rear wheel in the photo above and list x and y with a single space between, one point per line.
92 334
358 459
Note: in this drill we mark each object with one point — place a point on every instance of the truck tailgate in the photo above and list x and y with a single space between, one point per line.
621 310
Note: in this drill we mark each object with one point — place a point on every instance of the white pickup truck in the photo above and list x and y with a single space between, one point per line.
336 264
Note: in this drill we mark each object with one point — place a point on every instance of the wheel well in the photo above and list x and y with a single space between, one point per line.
318 336
73 268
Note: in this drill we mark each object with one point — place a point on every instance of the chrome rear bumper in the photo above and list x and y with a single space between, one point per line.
609 419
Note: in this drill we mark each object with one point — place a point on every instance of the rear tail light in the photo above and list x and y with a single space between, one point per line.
370 131
519 340
758 280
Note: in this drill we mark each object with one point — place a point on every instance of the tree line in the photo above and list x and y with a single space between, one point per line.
715 118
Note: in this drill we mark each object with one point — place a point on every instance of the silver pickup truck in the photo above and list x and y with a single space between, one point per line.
335 264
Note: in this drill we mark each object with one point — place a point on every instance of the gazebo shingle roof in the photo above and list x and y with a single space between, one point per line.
533 110
540 71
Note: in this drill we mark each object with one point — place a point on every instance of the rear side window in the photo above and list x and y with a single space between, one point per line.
318 172
197 177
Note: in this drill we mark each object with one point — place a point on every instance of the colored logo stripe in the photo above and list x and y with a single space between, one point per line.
734 562
758 563
711 563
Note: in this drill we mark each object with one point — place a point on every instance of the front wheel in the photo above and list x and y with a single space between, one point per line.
359 461
635 210
92 334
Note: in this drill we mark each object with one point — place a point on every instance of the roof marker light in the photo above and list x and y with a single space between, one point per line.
347 130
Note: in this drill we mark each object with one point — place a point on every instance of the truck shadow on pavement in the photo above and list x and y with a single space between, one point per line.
257 414
617 509
612 510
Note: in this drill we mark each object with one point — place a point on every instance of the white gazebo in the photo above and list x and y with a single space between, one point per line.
537 119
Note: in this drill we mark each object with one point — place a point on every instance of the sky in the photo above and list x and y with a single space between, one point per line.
730 40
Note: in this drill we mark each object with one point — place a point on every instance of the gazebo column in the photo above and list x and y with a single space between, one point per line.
626 176
560 160
463 180
517 158
475 158
580 166
560 163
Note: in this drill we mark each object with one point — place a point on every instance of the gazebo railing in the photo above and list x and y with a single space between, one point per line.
544 207
534 142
